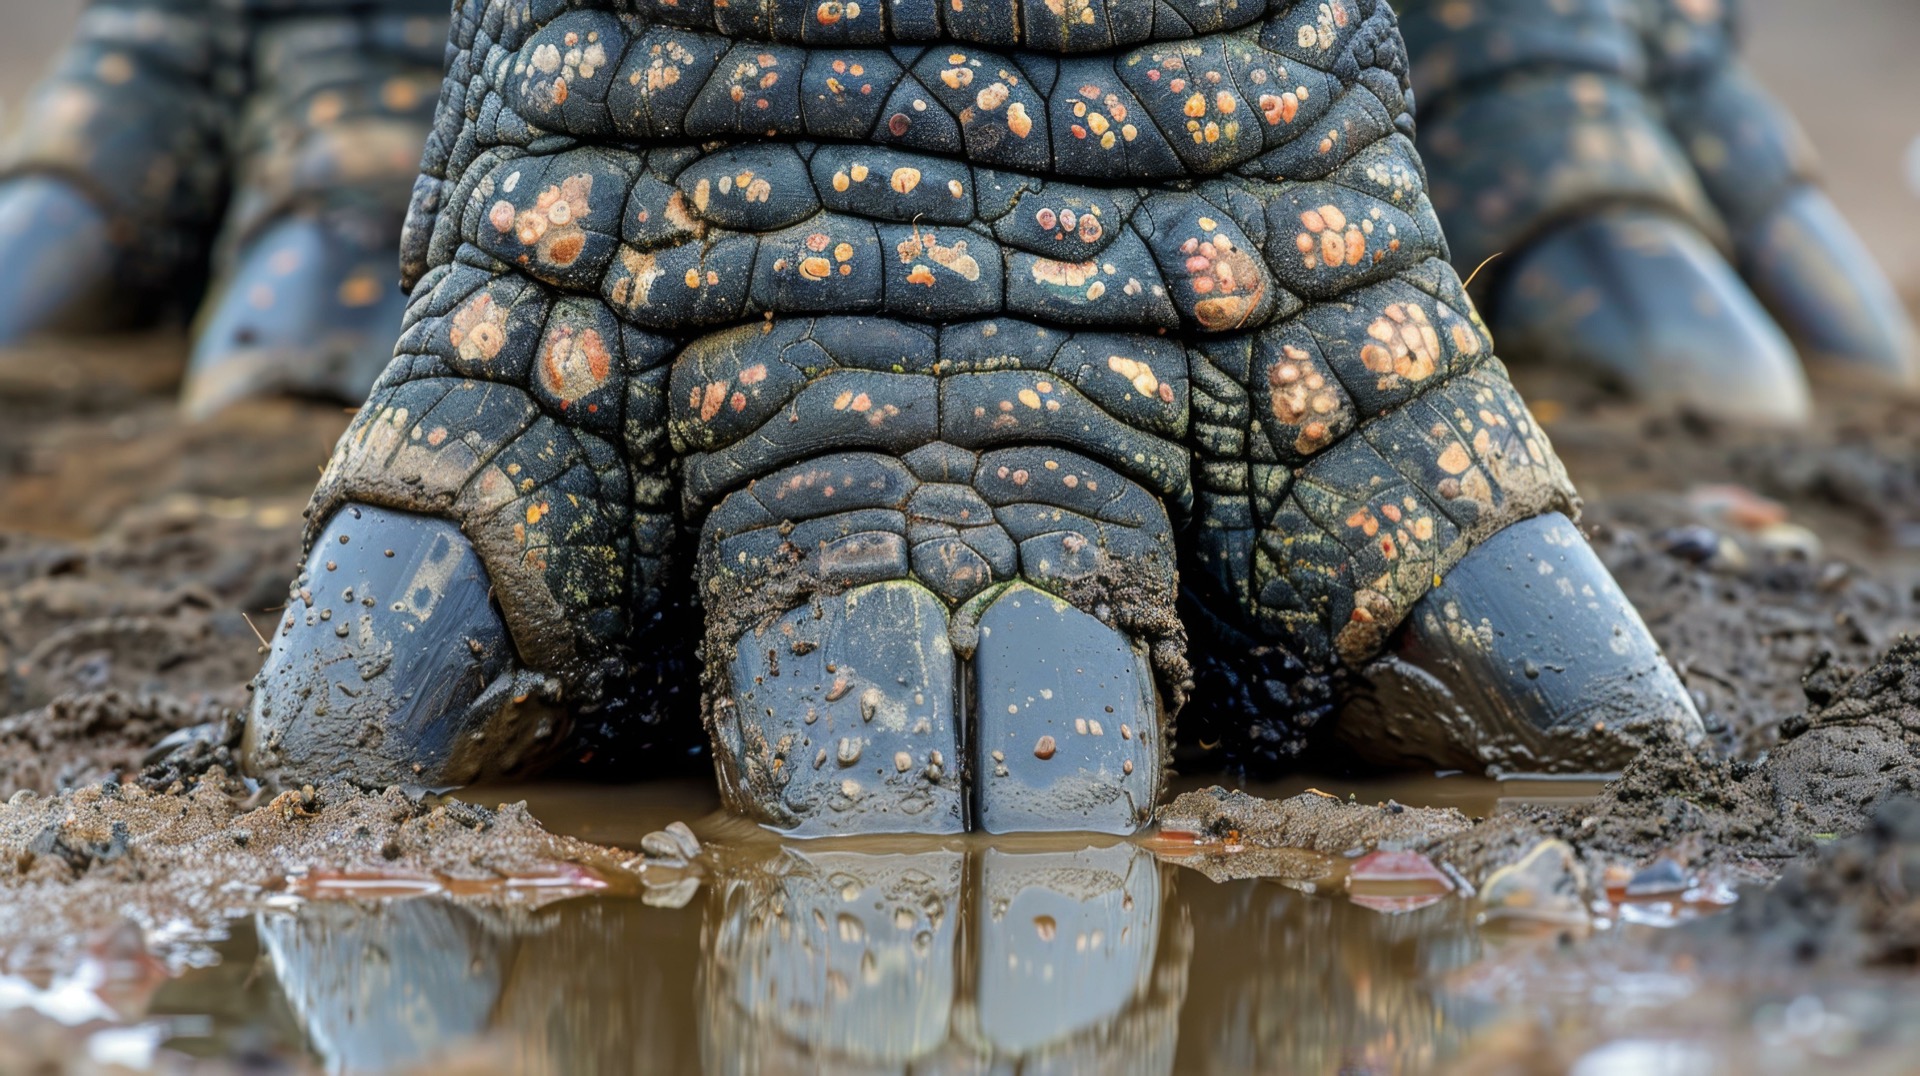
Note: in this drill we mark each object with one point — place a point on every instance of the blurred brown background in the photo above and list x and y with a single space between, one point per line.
1846 68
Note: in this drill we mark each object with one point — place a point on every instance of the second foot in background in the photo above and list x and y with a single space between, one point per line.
1650 208
248 158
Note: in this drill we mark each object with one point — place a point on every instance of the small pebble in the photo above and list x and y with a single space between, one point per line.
1662 876
1545 886
1044 749
1695 544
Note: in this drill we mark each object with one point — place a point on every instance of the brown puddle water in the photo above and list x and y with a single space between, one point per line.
1062 954
975 955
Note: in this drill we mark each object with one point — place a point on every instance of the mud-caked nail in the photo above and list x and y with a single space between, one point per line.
1066 720
390 664
843 717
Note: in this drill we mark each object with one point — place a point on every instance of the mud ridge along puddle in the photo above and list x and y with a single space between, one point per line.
1068 953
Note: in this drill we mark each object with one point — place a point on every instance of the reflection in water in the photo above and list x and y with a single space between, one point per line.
1299 983
942 959
945 962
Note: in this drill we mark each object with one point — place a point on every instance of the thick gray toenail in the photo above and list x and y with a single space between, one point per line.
1067 722
390 664
58 250
843 719
1805 262
1646 301
307 310
1526 658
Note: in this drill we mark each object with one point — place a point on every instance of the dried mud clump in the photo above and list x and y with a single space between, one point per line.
1858 746
1853 751
1312 821
177 865
1857 903
1743 634
109 645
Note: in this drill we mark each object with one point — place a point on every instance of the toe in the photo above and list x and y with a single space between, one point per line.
1644 301
1810 268
1527 658
1066 719
307 309
57 250
391 665
842 717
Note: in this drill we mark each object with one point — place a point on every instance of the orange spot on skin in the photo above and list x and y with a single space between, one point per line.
566 249
574 363
358 290
479 329
1018 121
711 399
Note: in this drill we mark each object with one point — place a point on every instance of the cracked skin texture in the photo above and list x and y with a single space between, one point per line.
1055 292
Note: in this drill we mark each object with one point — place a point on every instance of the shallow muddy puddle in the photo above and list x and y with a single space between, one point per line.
1055 954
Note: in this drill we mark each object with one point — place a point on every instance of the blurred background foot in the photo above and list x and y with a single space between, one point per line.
1651 211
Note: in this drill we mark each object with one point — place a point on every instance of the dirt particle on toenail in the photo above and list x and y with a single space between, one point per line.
1044 926
839 689
1044 749
902 761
